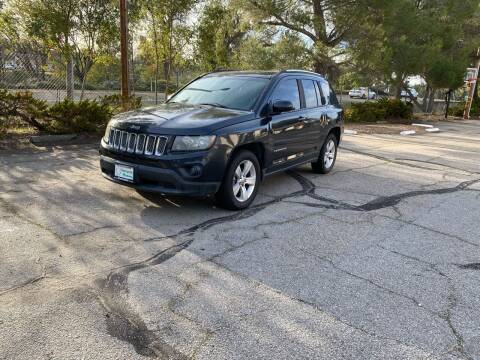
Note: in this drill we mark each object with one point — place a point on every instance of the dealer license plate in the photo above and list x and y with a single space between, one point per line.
123 172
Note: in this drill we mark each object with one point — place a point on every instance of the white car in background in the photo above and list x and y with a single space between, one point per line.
362 93
10 66
405 94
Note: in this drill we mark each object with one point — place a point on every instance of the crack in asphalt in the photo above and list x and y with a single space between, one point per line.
452 302
402 161
389 201
125 324
413 223
314 306
472 266
24 284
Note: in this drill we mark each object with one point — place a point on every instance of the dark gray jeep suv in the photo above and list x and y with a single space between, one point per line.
222 133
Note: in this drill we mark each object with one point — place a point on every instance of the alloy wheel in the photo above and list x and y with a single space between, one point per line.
329 156
244 180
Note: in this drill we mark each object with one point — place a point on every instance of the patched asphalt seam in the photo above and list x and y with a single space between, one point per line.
124 324
389 201
472 266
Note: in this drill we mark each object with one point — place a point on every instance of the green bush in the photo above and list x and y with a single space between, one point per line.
22 106
457 110
64 117
115 102
381 110
74 117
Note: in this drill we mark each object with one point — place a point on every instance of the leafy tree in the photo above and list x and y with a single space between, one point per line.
95 34
14 39
221 30
169 34
403 38
52 21
325 25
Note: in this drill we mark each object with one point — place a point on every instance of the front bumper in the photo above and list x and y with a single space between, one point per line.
156 179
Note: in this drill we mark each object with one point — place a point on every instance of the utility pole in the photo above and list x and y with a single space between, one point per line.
124 52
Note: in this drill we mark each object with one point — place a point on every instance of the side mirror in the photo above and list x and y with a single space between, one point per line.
281 106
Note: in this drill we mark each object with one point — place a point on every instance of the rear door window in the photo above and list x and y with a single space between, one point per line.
310 93
287 89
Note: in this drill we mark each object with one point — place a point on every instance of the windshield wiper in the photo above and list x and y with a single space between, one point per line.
215 105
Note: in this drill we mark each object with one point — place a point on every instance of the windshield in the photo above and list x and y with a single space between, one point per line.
233 92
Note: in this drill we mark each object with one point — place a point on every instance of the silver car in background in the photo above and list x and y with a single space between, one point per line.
362 93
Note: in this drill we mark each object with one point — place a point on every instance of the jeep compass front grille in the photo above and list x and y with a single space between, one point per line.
124 141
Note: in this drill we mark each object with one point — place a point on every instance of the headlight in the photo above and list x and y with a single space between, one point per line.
107 133
191 143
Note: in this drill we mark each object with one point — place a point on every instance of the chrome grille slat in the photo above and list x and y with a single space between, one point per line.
117 139
161 145
132 141
111 137
150 144
137 143
123 141
140 144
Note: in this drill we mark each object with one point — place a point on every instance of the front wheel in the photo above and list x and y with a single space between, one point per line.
240 183
328 155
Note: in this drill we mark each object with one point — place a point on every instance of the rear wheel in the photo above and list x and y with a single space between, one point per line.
328 155
240 183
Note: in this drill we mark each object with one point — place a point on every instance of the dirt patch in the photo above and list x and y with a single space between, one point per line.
21 141
434 118
378 128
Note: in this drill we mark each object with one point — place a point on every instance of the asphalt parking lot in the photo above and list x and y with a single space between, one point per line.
378 260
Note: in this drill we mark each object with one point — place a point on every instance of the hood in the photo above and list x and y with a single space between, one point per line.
180 119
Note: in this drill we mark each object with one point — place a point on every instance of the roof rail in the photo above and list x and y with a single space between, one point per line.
300 70
221 70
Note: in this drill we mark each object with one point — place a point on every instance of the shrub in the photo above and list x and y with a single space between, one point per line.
115 102
83 116
383 109
22 106
457 110
395 108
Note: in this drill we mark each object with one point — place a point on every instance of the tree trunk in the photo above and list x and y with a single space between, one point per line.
426 98
69 78
166 71
447 102
169 57
398 89
83 88
157 56
431 101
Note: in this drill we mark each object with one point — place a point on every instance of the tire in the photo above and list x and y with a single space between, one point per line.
237 193
324 165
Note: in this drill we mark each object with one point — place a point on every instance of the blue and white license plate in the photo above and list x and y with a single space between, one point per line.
123 172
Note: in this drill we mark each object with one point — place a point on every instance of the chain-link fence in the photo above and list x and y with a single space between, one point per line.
44 74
